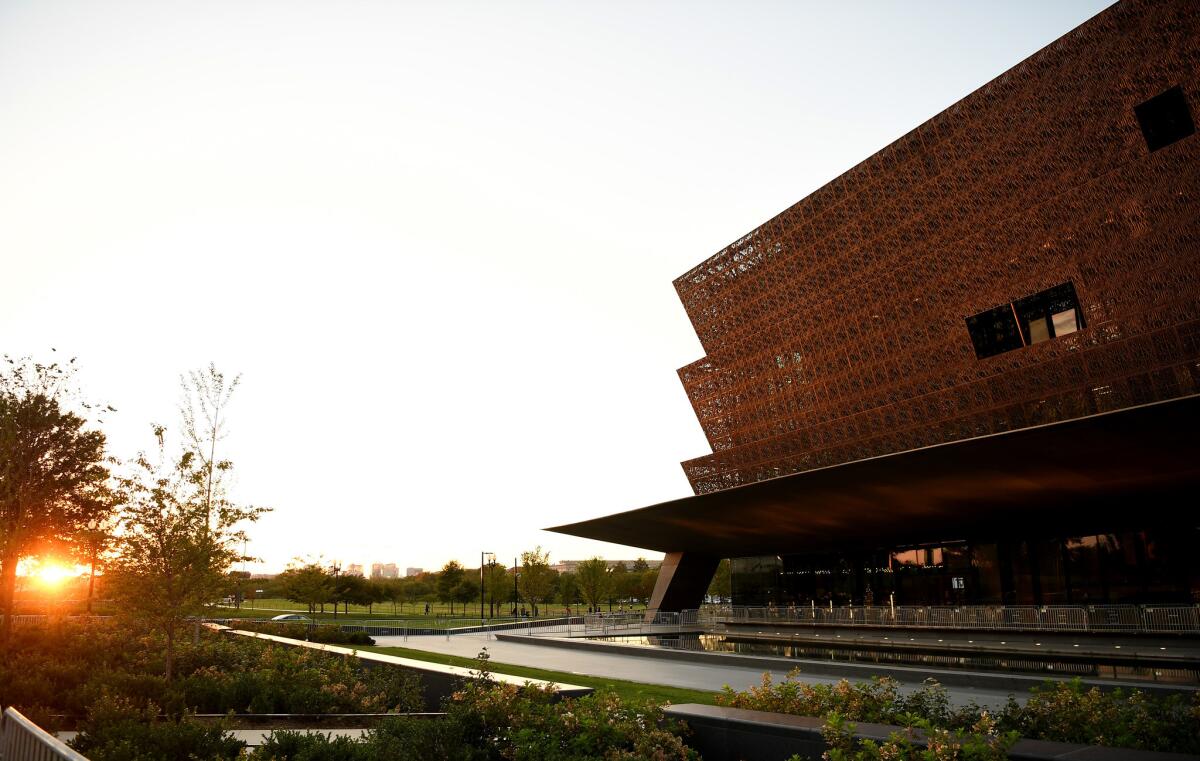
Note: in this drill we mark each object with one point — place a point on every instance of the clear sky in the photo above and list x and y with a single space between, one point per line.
437 238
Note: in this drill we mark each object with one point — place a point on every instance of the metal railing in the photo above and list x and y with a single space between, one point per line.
1159 619
22 740
32 619
1130 619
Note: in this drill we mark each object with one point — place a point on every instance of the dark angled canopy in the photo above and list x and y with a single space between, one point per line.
1133 467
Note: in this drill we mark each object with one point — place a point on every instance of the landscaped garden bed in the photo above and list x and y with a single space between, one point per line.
107 681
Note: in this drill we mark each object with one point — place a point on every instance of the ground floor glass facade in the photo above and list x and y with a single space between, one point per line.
1151 566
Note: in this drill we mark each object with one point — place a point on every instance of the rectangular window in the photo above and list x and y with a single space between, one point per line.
1052 313
1165 119
995 331
1038 331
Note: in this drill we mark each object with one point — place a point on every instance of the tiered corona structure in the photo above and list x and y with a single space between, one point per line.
840 329
942 375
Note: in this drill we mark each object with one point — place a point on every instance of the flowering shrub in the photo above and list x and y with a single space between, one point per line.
1067 712
982 742
487 721
878 701
1058 711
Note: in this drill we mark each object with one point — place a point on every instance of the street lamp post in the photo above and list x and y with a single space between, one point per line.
93 535
481 556
516 593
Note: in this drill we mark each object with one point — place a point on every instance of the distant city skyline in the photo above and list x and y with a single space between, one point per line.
437 240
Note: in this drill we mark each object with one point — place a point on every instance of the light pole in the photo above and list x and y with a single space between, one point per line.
516 593
93 535
481 555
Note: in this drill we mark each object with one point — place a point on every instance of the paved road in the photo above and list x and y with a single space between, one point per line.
699 676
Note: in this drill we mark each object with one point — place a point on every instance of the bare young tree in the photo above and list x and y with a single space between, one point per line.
179 531
206 394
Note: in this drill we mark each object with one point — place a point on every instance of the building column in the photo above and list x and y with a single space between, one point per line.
683 580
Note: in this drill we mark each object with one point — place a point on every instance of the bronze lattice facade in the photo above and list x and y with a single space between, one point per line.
851 325
968 369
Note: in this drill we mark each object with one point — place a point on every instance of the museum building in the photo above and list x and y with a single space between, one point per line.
966 370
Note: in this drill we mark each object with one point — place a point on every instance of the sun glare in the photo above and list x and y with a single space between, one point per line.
47 573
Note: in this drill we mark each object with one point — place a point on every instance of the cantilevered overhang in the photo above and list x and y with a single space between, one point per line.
1132 468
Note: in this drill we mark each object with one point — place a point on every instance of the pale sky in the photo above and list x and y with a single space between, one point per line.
437 239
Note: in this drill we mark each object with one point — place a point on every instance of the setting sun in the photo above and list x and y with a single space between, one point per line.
48 573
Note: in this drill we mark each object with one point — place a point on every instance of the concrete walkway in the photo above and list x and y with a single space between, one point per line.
699 676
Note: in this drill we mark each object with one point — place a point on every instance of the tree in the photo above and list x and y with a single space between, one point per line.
497 585
307 584
359 591
537 578
449 577
619 584
175 547
720 589
51 466
465 591
396 591
568 590
179 529
644 584
206 394
239 586
593 582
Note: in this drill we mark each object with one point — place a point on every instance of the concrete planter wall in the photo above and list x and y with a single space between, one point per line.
736 734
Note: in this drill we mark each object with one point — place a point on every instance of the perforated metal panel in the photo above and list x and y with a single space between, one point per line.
837 330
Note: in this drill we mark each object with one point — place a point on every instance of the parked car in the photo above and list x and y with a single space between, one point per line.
294 618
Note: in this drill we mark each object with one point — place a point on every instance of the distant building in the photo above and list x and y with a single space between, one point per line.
384 571
354 569
413 571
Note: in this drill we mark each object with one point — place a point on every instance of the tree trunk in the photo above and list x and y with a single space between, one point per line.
91 584
170 655
8 586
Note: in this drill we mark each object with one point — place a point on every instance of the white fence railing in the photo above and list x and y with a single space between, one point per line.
22 740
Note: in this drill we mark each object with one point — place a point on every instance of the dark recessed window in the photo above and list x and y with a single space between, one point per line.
1051 313
1165 118
994 331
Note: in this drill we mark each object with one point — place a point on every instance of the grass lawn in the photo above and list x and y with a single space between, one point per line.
639 691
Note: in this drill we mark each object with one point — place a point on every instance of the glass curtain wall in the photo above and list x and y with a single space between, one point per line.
1161 566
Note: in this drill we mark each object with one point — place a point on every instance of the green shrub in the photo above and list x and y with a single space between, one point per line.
329 635
65 668
117 730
